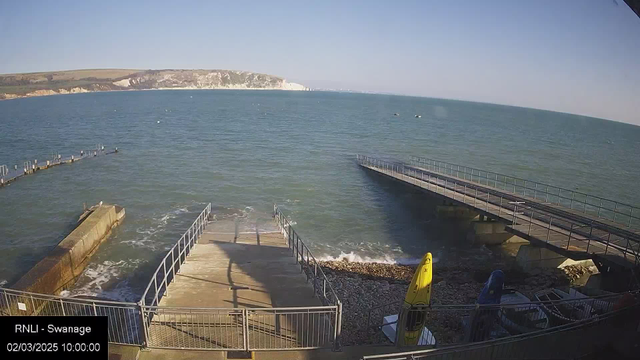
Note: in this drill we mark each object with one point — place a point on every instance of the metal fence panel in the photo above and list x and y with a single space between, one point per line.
516 330
125 321
203 329
294 328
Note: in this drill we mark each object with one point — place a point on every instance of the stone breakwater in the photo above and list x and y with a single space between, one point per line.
457 280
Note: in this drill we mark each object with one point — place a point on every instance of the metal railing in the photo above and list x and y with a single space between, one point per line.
147 324
456 324
241 328
624 214
125 319
171 263
310 266
524 219
238 328
308 263
568 340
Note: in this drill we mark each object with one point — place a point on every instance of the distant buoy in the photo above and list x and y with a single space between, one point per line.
158 121
191 96
418 116
396 114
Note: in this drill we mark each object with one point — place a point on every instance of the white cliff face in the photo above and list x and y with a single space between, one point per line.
205 79
122 83
150 79
293 86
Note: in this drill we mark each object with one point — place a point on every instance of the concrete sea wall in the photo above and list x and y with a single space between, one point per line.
59 269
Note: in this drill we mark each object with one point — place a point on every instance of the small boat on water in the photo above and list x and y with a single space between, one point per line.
518 315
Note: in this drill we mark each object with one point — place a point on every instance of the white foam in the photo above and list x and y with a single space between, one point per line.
386 259
148 233
96 276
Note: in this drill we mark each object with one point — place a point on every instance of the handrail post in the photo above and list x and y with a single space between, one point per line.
626 248
338 326
549 230
530 222
164 267
6 299
546 194
600 208
173 265
179 257
245 329
155 283
297 247
33 304
145 325
324 287
570 232
315 276
464 195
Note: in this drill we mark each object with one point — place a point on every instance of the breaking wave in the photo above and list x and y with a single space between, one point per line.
386 259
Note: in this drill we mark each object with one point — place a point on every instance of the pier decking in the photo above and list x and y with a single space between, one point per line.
530 215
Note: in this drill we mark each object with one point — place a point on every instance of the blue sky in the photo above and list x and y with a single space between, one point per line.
577 56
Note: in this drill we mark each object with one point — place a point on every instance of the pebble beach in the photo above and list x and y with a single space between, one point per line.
372 290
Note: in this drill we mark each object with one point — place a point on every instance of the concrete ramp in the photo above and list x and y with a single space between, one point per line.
244 270
253 272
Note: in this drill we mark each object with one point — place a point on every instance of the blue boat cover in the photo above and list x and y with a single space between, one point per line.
492 290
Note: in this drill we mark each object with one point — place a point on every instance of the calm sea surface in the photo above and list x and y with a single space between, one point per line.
245 150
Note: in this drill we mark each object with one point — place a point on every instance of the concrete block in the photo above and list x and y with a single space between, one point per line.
455 212
488 233
66 261
530 257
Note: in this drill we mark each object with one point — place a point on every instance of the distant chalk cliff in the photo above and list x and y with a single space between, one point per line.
78 81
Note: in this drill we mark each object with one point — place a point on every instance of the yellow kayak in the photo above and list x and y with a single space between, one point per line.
419 293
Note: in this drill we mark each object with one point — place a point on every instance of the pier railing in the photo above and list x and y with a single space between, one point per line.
525 219
125 319
624 214
173 260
